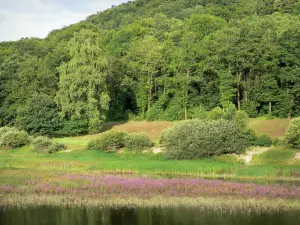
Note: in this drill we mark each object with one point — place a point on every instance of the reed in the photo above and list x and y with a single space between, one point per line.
216 204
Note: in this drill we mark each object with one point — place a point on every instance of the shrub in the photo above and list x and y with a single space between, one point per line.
198 113
4 130
138 142
230 112
46 145
216 114
277 142
292 135
202 138
262 140
74 127
13 138
241 118
111 141
40 116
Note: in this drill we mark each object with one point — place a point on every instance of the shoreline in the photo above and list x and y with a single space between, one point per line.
229 203
75 190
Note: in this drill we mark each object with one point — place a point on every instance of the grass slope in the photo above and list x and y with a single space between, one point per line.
274 164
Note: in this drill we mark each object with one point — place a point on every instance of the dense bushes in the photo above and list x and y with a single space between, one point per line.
115 140
292 135
13 138
40 116
202 138
110 141
262 140
46 145
138 142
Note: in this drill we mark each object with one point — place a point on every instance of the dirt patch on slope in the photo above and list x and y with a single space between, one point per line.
247 157
153 129
274 128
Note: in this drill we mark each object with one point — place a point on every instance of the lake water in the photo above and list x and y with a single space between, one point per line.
139 216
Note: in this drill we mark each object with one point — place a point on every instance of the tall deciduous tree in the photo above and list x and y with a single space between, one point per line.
82 90
145 58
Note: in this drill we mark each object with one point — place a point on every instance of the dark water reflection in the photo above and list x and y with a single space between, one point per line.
139 216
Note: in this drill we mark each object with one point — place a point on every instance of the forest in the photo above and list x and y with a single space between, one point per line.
155 60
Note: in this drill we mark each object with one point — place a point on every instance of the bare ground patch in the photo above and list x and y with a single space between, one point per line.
247 157
274 128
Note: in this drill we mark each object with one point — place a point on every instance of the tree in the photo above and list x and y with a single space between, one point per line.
40 116
144 58
82 90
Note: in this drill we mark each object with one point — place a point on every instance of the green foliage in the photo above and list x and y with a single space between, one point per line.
230 112
13 138
115 140
292 135
250 107
156 60
40 116
138 142
262 140
216 114
241 118
4 130
82 90
74 127
45 145
198 113
201 138
277 142
110 141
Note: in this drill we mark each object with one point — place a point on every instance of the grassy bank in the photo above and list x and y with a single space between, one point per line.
275 164
217 204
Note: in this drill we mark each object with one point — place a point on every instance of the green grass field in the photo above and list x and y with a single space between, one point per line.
276 163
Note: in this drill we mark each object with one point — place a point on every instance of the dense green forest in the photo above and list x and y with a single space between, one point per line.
155 60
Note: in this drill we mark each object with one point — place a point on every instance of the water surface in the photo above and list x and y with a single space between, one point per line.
142 216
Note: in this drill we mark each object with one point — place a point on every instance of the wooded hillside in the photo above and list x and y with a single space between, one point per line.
155 60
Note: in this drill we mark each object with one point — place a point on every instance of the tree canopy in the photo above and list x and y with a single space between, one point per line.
155 60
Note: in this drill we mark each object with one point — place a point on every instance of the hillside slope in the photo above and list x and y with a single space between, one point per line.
155 60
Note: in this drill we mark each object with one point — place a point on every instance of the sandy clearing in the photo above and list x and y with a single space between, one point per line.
247 157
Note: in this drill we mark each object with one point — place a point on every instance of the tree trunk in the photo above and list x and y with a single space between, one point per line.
186 95
150 90
270 107
238 91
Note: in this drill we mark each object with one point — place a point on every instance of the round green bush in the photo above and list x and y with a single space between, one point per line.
277 142
202 138
45 145
241 118
13 138
138 142
292 135
216 114
4 130
262 140
111 141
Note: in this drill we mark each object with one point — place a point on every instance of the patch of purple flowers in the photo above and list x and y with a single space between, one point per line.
105 186
6 189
